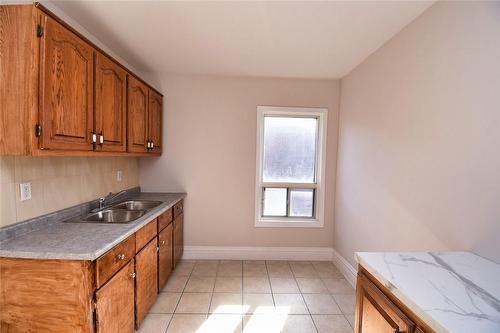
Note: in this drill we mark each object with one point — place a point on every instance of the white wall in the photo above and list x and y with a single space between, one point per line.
419 145
209 152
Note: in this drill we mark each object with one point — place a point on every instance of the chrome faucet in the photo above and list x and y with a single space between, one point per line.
109 197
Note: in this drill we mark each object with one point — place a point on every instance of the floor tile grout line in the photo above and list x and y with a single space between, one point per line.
182 293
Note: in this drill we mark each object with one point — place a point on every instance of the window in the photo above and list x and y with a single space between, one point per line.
290 166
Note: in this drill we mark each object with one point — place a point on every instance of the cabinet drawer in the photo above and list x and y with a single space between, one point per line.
145 234
178 207
109 263
164 219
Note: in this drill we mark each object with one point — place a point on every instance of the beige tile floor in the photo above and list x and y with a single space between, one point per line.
229 296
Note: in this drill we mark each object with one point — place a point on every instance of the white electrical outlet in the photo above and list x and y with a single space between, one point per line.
25 190
119 176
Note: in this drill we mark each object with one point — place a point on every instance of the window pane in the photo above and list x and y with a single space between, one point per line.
301 203
274 202
289 149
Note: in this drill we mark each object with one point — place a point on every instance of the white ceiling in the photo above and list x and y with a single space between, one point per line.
302 39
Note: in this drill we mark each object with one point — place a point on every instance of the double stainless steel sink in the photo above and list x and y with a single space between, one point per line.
122 212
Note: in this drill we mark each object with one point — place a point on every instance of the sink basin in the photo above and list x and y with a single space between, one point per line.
113 216
137 205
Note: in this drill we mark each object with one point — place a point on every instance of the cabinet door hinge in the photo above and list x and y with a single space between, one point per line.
38 130
39 31
94 312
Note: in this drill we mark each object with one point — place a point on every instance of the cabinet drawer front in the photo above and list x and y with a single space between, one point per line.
115 303
178 208
109 263
164 219
145 234
377 313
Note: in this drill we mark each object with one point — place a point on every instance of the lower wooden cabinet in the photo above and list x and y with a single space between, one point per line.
377 313
165 255
115 303
113 293
178 238
146 290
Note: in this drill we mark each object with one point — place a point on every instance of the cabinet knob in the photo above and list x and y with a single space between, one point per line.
157 249
132 275
121 256
152 144
162 242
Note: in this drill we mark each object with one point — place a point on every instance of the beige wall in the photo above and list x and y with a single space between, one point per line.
210 148
59 182
419 146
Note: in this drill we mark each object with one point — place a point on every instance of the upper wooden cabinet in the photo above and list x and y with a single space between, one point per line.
154 121
66 96
110 105
137 129
62 95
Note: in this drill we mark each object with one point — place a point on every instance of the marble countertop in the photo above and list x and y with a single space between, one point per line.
82 241
455 292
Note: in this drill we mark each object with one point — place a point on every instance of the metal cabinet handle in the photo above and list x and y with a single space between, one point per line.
152 144
101 139
157 249
162 242
132 275
121 256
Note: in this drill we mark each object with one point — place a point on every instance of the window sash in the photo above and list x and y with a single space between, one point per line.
288 205
316 147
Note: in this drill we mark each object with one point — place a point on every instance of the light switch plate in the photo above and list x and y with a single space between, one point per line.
25 191
119 176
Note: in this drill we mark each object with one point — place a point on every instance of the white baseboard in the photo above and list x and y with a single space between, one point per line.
345 268
257 253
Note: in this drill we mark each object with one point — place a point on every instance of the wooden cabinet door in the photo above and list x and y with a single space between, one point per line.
146 283
376 313
110 104
115 303
155 119
137 115
165 255
178 238
66 89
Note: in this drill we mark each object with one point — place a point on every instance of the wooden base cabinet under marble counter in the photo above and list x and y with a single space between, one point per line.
112 294
378 311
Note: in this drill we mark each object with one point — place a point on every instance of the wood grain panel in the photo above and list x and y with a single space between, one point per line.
66 108
145 234
178 238
146 284
110 104
16 85
164 219
165 255
46 296
115 303
178 208
137 115
110 262
155 121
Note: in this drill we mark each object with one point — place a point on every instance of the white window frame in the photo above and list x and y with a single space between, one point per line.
301 222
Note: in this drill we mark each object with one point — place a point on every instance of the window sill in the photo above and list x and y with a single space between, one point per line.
287 223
